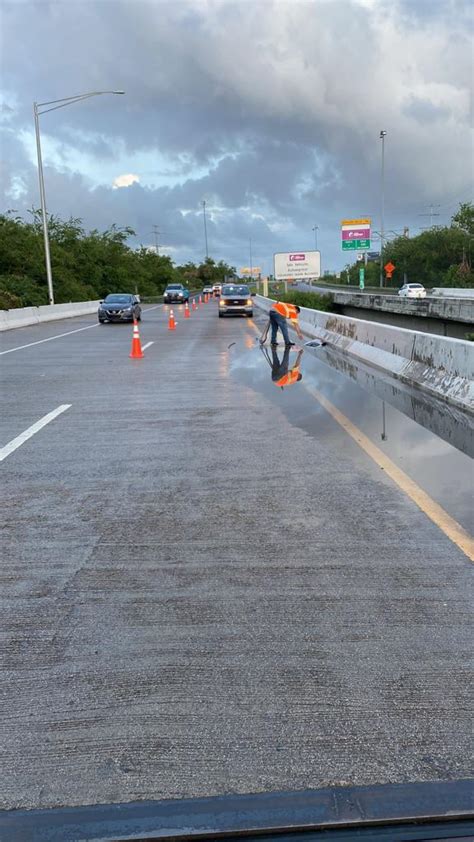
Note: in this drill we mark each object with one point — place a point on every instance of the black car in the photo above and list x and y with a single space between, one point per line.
175 293
119 307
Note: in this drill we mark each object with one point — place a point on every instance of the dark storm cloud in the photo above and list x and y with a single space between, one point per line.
281 102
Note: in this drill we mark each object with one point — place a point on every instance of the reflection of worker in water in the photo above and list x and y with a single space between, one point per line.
282 375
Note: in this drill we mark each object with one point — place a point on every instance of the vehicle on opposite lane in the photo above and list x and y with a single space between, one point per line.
412 291
119 307
207 290
236 299
175 293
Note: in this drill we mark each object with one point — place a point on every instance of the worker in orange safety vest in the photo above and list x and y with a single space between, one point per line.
282 375
280 313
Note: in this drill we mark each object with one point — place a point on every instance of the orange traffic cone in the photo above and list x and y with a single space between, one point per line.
200 300
187 314
136 352
171 321
193 304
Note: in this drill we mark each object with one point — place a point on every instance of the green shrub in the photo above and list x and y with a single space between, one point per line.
313 300
25 291
8 301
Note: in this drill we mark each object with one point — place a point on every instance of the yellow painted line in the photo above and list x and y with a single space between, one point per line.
451 528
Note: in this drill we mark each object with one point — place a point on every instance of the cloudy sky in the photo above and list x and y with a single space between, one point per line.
269 111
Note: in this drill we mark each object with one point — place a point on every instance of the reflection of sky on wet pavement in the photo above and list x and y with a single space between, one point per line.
443 471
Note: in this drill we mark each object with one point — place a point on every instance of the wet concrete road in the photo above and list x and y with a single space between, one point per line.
208 587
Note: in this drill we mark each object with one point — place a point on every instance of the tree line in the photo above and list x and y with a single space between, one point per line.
86 265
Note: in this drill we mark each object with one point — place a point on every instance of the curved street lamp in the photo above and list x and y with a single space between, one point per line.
55 103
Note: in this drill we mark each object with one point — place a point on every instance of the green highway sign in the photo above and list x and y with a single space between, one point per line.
353 245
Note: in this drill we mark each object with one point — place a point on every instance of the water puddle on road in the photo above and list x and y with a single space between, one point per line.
429 440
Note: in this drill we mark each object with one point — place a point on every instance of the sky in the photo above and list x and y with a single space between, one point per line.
268 111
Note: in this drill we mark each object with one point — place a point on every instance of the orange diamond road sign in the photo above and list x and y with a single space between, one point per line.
389 268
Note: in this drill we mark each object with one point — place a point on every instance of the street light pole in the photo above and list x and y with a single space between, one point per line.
44 218
56 103
316 229
205 227
382 138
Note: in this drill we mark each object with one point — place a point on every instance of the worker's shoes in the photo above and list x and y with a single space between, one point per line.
289 344
274 344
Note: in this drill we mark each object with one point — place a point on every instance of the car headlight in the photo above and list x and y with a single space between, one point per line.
249 301
221 303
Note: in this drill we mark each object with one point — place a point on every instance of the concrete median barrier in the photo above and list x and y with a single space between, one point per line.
436 364
24 316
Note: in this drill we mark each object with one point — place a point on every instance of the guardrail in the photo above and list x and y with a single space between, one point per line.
24 316
436 364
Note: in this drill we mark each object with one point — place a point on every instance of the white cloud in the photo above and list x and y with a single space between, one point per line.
125 180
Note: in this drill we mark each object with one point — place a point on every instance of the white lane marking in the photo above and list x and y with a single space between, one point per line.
60 335
144 347
19 440
49 339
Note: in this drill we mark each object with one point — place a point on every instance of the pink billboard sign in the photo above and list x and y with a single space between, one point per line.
356 234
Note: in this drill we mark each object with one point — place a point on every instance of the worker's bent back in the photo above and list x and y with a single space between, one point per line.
288 311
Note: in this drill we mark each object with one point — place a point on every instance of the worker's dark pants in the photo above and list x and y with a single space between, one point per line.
278 321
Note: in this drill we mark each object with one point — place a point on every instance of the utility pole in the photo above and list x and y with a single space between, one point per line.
316 229
205 227
431 214
157 233
250 254
382 220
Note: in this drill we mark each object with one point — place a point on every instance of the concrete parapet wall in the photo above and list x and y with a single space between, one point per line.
436 364
447 309
451 292
24 316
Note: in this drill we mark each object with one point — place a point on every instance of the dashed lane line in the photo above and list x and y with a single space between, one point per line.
144 347
49 339
60 335
15 443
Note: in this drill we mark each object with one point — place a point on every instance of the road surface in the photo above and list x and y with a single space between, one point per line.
208 584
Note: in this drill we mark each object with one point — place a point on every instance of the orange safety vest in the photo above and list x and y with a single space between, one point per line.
289 311
288 379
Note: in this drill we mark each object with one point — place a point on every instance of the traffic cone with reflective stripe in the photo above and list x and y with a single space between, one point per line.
136 352
200 300
193 304
171 321
187 314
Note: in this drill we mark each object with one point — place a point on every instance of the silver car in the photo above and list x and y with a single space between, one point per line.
235 298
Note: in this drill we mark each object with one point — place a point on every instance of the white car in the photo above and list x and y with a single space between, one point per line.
412 291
